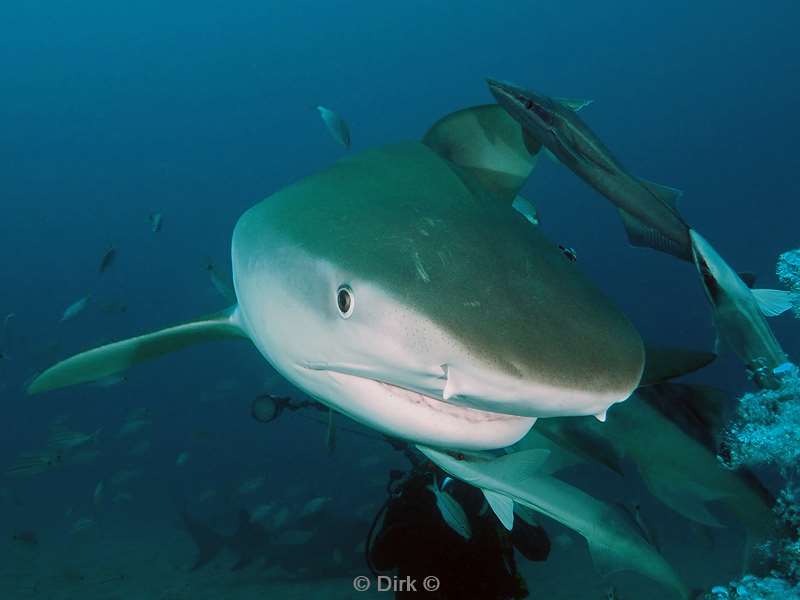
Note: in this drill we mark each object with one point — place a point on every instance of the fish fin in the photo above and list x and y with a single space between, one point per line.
574 103
667 195
773 302
119 356
664 363
585 443
690 505
698 410
526 208
502 506
748 278
488 146
642 235
518 465
553 158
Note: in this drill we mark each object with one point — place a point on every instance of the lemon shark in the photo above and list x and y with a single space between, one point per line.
400 288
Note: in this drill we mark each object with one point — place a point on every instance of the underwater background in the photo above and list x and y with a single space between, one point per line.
110 112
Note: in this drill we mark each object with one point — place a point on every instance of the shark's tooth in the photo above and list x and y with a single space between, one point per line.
601 416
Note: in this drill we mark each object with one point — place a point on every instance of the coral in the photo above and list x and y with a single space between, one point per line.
789 273
766 428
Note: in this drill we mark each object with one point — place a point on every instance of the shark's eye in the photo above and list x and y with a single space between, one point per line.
345 301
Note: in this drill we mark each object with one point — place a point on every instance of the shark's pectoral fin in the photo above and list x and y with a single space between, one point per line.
663 363
488 147
119 356
642 235
773 302
502 506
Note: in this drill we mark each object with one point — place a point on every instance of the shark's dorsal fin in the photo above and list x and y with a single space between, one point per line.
663 363
119 356
488 146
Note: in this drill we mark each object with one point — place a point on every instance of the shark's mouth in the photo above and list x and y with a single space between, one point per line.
411 414
413 397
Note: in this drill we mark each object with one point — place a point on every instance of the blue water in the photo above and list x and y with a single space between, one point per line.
111 111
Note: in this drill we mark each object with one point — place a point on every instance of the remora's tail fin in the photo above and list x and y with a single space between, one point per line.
643 235
119 356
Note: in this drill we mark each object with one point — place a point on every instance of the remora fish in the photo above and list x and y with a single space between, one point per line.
738 314
615 543
458 325
336 126
648 210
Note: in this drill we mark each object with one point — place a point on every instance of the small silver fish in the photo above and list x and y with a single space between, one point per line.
261 512
61 437
34 463
451 511
133 426
155 221
251 485
82 524
108 259
220 283
183 458
336 126
314 506
74 309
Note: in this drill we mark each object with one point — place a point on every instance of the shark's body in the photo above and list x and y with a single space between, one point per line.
648 210
400 288
614 540
668 432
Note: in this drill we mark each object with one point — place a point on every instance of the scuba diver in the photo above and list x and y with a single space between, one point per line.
433 525
464 546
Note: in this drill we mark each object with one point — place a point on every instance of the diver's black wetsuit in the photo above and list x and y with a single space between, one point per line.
415 540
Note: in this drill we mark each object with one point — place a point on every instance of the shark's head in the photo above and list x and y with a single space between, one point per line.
389 290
